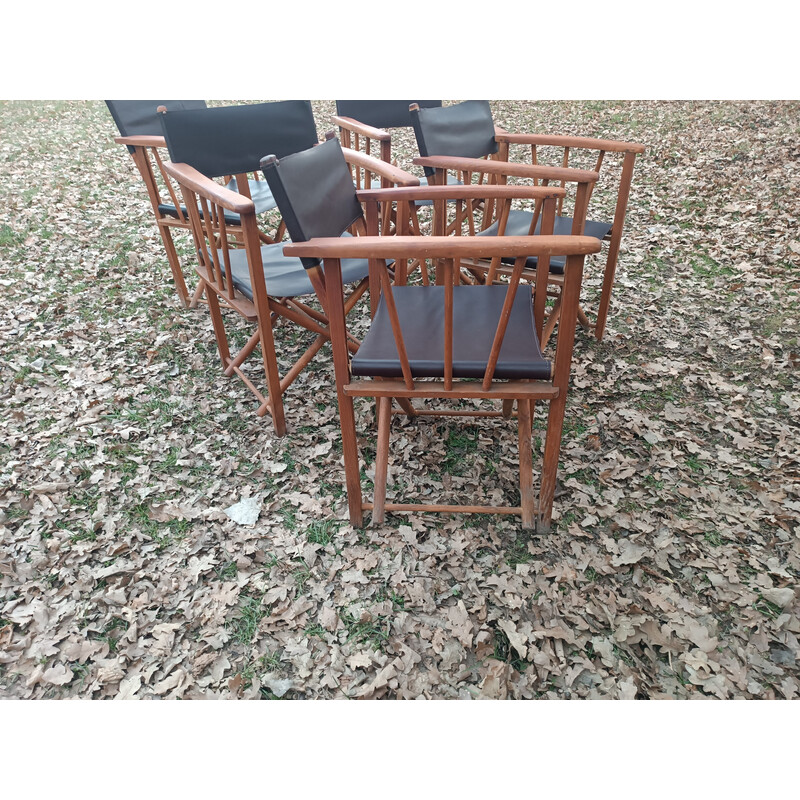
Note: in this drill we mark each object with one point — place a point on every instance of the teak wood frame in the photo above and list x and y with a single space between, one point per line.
144 150
357 134
450 251
569 144
496 172
206 202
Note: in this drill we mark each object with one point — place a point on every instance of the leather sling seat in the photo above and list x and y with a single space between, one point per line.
476 312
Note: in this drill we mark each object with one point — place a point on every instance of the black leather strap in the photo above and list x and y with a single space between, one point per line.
315 193
139 117
382 113
229 140
464 130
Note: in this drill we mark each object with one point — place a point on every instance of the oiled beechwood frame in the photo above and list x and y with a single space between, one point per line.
524 393
206 202
213 268
145 153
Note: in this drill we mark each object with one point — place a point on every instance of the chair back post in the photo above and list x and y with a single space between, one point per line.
616 240
573 271
140 131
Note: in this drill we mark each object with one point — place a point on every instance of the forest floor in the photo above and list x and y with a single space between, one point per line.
672 567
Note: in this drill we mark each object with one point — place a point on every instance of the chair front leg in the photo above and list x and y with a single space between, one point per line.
525 464
331 286
382 459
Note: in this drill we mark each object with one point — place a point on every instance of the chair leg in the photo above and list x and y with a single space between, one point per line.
616 239
583 320
552 449
347 420
605 294
219 328
382 458
174 265
352 476
270 362
525 464
198 294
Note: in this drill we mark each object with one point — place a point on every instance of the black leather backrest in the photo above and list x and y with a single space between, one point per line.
315 193
229 140
139 117
464 130
382 113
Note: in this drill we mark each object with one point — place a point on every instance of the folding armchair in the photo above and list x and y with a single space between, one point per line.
624 151
140 130
467 129
363 123
366 125
452 342
433 326
255 279
229 142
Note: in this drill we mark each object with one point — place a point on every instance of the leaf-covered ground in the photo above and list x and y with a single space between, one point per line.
672 570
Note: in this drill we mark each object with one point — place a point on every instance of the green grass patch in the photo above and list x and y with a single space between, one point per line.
244 626
322 532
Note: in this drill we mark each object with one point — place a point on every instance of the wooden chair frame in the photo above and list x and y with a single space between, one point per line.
206 202
450 251
628 152
372 139
498 172
145 153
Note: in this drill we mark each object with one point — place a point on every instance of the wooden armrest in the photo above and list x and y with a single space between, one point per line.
571 141
142 141
382 168
393 247
457 192
204 186
509 168
360 128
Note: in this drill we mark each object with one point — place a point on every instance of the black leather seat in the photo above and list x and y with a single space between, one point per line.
519 222
476 311
285 276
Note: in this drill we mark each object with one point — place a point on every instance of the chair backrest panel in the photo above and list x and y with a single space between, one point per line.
232 140
140 117
464 130
315 193
382 113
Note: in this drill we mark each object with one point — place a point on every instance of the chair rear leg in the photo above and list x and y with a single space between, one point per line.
552 449
526 497
174 265
616 239
382 459
605 294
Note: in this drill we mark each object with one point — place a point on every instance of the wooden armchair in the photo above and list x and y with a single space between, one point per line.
229 141
365 125
452 342
255 279
467 129
140 131
567 146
